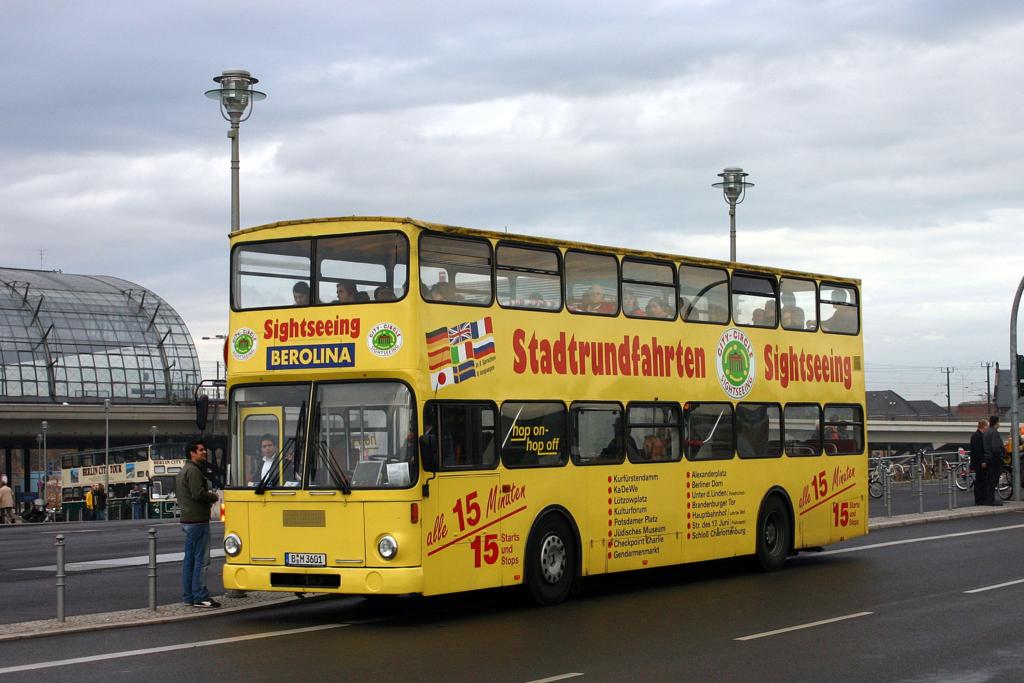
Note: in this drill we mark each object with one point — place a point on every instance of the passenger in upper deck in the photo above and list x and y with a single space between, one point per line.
593 301
346 291
300 292
630 306
384 293
792 315
657 308
844 316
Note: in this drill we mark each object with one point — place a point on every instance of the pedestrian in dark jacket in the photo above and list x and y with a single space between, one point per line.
977 460
99 502
993 445
195 499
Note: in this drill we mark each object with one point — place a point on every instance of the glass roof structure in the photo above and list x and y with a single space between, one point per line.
83 338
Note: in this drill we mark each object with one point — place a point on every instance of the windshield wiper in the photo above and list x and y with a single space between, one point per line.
335 472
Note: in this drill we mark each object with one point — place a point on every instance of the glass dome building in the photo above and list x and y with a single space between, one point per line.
83 338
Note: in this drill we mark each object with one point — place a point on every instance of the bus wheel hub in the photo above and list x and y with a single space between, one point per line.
552 559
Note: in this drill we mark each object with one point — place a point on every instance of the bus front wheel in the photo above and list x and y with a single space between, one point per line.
773 534
550 561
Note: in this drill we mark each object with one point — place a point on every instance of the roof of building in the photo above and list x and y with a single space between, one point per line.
888 405
83 338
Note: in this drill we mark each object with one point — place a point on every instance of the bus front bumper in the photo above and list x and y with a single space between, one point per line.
345 580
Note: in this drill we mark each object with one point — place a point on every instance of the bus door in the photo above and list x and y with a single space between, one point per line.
255 424
270 430
462 518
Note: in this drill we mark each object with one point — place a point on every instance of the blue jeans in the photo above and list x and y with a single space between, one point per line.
197 560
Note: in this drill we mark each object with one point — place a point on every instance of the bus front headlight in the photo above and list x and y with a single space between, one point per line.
387 546
232 545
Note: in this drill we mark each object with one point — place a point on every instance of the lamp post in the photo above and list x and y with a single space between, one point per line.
106 446
236 98
734 191
46 460
153 430
1014 389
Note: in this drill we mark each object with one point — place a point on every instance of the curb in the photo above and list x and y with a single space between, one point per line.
877 523
137 617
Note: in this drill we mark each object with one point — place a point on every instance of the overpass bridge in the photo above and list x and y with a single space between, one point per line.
894 436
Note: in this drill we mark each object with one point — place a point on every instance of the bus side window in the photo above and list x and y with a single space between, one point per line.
758 430
703 294
799 311
709 431
803 429
844 430
838 309
466 437
455 270
598 436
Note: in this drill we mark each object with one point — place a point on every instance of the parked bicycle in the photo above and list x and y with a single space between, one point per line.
881 468
964 479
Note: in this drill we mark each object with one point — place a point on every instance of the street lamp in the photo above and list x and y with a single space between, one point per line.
153 430
106 446
734 191
46 459
236 98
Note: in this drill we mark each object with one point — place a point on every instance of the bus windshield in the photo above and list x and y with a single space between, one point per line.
365 436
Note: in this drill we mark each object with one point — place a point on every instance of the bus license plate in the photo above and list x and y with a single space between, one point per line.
305 559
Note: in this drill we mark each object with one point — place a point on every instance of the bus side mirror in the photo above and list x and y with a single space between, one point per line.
428 452
202 411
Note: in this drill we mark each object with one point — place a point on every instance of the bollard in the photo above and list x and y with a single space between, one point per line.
920 481
152 568
60 578
886 492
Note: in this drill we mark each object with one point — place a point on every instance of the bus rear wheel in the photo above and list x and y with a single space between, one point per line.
773 534
550 561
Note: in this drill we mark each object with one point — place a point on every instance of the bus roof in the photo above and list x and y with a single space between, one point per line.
532 239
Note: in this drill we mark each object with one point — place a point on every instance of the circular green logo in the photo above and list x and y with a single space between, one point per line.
735 363
384 340
243 344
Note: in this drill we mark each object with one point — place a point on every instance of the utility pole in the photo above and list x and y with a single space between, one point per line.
949 400
988 388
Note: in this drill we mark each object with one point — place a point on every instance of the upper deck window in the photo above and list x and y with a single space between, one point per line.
529 278
753 300
704 294
648 289
799 311
455 270
838 305
362 268
591 283
271 274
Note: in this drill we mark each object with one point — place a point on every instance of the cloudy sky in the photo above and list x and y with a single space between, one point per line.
883 138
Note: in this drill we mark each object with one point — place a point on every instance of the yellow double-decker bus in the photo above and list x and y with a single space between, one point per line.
419 408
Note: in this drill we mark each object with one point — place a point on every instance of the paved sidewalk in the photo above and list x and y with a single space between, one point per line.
943 515
257 600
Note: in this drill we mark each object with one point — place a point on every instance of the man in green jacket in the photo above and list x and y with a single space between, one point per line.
194 499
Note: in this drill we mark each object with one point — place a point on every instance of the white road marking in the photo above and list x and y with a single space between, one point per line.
918 540
163 648
560 677
992 588
115 562
803 626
